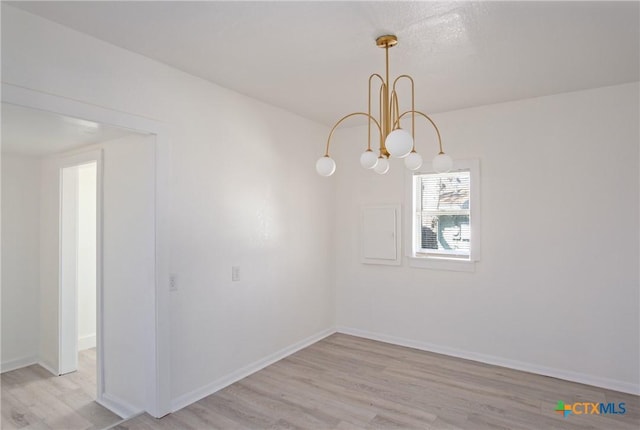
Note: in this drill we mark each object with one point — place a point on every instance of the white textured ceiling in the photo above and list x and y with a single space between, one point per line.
314 58
37 133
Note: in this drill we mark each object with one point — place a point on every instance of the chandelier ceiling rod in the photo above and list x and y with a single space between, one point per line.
394 141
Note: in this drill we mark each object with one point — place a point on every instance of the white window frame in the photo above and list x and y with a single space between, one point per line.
442 262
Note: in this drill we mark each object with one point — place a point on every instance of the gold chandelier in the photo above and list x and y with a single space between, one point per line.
394 141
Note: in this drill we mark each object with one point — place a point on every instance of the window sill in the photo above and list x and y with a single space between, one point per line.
442 264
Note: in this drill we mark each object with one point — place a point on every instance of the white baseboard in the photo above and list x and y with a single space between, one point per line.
611 384
220 383
86 342
17 363
49 367
118 406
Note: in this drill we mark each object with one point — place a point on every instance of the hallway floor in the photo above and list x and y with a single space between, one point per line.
32 398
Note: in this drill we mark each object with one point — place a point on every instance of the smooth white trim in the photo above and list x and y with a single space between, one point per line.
118 406
87 342
442 264
225 381
567 375
18 363
159 356
99 343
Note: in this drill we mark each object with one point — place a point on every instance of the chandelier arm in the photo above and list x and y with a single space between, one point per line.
413 109
395 107
374 75
428 119
326 153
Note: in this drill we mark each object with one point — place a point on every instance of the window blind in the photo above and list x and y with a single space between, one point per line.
443 213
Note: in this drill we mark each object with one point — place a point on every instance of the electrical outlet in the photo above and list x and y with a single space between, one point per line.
173 282
235 273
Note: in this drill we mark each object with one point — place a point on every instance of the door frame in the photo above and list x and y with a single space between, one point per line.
158 351
65 162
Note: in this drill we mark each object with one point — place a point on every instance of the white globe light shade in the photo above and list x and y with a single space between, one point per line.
399 143
382 166
368 159
442 163
413 161
325 166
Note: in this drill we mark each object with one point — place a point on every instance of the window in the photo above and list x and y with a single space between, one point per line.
445 219
442 214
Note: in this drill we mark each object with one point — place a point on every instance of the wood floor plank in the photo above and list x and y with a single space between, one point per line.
15 415
298 392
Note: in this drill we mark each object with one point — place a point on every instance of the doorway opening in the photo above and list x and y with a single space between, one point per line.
135 374
78 268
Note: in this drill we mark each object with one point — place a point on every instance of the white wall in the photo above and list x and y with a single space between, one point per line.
67 289
86 256
20 260
243 192
128 270
49 264
556 290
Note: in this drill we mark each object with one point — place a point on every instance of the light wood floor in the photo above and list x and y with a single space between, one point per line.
344 382
34 399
